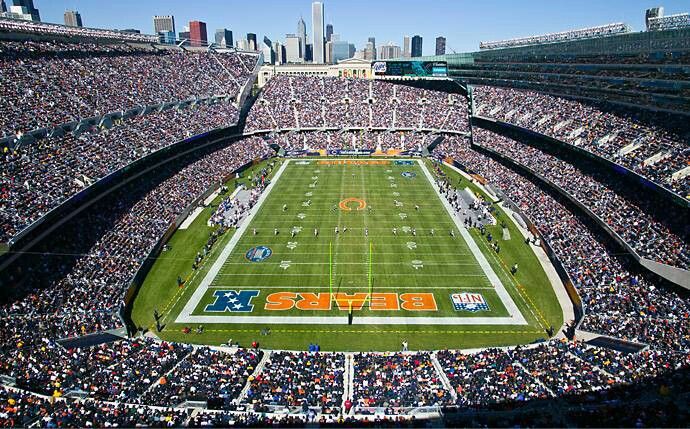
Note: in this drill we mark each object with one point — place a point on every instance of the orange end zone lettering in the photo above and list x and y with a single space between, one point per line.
314 301
280 301
345 300
384 301
418 302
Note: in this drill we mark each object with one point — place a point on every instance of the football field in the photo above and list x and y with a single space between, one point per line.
360 247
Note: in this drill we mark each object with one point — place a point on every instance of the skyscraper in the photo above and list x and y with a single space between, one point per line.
340 51
372 40
267 49
224 38
416 46
30 9
407 47
293 49
279 50
389 51
440 45
251 42
3 8
317 29
329 32
197 33
163 23
73 18
302 35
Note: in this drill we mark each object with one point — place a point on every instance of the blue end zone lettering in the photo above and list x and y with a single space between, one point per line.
232 301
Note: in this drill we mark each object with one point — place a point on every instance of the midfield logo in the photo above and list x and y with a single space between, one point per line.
467 301
233 301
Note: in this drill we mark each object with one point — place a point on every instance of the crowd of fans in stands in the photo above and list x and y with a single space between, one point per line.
322 102
632 219
85 296
299 380
37 177
639 141
618 300
383 141
160 374
52 299
51 83
395 380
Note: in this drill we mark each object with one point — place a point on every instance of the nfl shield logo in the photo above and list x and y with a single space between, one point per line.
468 301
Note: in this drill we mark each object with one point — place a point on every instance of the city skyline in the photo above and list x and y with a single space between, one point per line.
464 24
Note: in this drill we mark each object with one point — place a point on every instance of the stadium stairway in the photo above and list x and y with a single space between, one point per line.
243 393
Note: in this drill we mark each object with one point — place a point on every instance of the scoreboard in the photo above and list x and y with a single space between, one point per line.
411 68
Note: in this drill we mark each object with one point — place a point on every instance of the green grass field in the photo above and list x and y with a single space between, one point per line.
398 286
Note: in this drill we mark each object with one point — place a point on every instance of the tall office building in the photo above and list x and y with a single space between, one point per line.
389 51
197 33
302 35
269 53
407 47
309 53
223 38
329 32
329 53
3 8
251 42
163 23
319 51
279 50
369 52
340 50
293 49
372 40
28 6
440 45
416 46
73 18
352 50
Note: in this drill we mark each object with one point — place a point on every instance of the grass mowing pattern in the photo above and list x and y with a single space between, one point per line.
448 266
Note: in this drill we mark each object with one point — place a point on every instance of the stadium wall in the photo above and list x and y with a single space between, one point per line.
530 137
41 229
675 275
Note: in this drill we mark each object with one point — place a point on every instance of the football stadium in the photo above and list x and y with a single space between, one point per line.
207 232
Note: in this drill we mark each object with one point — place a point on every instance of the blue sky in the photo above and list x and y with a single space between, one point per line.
463 23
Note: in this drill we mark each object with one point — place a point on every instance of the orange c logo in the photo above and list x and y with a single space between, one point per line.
344 204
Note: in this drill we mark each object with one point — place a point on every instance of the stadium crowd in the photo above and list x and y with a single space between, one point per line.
397 380
300 380
364 140
83 294
39 176
633 219
47 84
321 102
630 138
304 381
618 299
77 286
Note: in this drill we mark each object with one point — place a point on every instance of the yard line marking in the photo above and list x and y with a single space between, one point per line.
507 300
356 287
351 275
218 263
360 320
405 263
375 331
